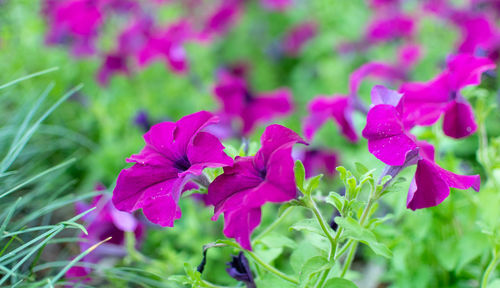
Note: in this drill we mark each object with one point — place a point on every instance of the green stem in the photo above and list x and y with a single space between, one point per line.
489 269
324 226
334 241
272 269
272 226
349 259
362 221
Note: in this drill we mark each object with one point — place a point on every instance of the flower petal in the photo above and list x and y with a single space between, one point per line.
459 120
387 139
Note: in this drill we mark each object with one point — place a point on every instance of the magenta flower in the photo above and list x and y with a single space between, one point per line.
298 36
390 73
113 63
105 221
390 141
75 22
168 44
239 103
339 108
388 138
318 161
479 34
277 5
252 181
175 153
431 184
386 29
425 102
221 20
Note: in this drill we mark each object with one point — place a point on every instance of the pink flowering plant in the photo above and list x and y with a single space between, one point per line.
250 143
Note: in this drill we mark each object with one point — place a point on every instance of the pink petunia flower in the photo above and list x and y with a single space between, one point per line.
431 184
390 141
105 221
113 63
338 108
298 36
252 181
276 5
318 161
220 21
167 43
240 103
425 102
76 22
175 153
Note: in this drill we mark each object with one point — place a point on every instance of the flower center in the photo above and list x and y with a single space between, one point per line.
263 173
248 96
182 164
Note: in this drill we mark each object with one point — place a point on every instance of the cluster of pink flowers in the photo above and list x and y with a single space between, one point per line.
104 222
80 24
176 153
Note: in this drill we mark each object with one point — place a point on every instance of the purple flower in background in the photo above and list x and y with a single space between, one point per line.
382 6
142 120
168 43
105 221
390 73
398 26
252 181
239 269
239 102
318 161
298 36
339 108
277 5
113 63
175 153
431 184
75 22
479 34
221 19
424 103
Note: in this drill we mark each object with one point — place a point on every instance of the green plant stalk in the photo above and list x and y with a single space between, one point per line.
362 220
272 226
324 226
491 267
334 241
272 269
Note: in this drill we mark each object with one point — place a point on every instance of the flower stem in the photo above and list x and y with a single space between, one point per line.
324 226
333 240
362 220
272 269
491 267
272 226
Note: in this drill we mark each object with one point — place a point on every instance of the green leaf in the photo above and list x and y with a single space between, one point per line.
342 173
336 200
301 254
353 230
361 168
276 240
339 283
313 266
494 284
300 175
309 225
313 183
